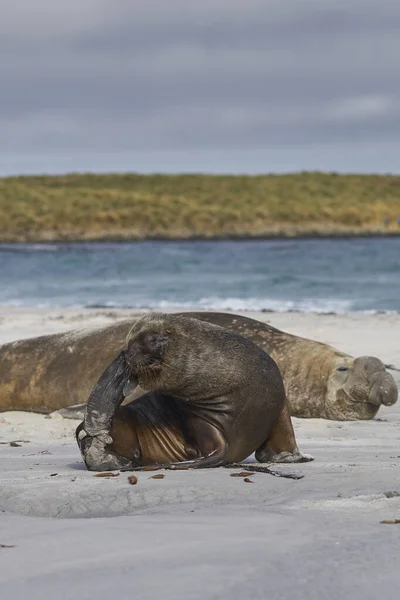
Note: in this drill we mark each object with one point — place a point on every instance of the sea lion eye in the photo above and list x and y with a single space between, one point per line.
155 340
343 368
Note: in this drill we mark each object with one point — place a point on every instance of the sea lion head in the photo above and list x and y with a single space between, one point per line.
357 387
182 355
159 348
145 349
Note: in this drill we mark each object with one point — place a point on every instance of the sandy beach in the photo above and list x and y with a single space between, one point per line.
205 534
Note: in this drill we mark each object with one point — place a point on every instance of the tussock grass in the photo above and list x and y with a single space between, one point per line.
132 206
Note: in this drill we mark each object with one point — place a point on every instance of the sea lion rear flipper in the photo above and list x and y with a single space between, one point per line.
281 446
214 459
209 442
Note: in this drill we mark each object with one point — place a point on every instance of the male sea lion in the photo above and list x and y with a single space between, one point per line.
51 372
215 397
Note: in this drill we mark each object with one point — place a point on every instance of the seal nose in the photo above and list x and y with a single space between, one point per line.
383 390
368 365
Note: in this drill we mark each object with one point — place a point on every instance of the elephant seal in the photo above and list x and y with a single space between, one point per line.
214 398
51 372
320 381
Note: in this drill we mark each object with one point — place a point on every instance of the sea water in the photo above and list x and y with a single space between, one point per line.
323 275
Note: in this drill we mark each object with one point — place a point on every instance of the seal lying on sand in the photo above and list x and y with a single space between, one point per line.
51 372
320 382
215 397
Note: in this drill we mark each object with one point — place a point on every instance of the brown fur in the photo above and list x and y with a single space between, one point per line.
215 397
55 371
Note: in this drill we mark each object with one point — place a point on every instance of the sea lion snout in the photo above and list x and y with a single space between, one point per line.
146 350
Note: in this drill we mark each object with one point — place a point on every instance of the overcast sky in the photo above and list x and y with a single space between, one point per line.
199 85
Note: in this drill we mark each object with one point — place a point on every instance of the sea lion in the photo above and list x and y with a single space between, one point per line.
215 397
51 372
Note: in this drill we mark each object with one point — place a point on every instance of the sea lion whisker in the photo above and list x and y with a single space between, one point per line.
170 367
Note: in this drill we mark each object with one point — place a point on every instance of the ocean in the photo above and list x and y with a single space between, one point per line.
321 275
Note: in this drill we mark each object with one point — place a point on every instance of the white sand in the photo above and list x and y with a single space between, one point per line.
205 534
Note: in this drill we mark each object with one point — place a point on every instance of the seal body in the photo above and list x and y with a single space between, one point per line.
320 381
214 398
52 372
151 430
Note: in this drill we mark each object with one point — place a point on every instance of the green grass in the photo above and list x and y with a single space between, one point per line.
131 206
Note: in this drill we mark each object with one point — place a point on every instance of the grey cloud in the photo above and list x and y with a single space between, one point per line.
173 74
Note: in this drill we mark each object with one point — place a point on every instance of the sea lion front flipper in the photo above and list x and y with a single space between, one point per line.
106 396
281 446
93 435
96 455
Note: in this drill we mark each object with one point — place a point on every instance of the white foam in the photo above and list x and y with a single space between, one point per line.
322 305
240 304
29 248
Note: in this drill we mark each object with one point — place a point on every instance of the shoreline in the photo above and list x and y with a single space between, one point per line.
115 309
122 238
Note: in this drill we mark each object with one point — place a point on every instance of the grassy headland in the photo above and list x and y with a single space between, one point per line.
131 206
